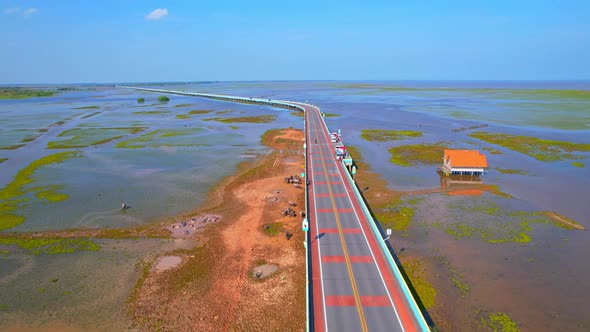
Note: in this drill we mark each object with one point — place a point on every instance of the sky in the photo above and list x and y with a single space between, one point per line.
62 41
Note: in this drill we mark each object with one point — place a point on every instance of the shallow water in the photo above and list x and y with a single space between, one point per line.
541 284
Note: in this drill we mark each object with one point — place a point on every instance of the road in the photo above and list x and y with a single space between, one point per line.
354 284
354 288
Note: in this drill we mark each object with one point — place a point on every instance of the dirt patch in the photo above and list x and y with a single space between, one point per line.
563 220
167 263
263 271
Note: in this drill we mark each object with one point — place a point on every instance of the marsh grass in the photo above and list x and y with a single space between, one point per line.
538 148
12 195
3 160
36 246
499 322
20 93
383 135
511 171
92 107
159 138
246 119
84 137
418 154
151 112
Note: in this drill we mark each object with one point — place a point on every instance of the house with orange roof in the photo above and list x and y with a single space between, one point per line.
464 162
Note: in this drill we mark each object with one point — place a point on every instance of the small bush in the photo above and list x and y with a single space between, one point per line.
163 99
140 100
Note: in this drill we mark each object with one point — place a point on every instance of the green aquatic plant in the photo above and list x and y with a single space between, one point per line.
50 194
538 148
331 115
183 116
84 137
93 107
298 113
382 135
89 115
418 154
415 271
245 119
51 246
151 112
194 112
11 195
3 160
20 93
457 280
140 100
577 164
163 99
183 105
500 322
511 171
157 138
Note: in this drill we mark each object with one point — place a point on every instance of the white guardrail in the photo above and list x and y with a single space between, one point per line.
281 103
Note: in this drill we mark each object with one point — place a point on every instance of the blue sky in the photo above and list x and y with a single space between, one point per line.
117 41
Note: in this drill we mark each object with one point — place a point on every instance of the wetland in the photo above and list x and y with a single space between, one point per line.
503 253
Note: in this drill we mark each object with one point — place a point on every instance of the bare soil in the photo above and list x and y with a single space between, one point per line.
213 289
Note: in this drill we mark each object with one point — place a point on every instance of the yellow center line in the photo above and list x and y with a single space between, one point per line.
357 299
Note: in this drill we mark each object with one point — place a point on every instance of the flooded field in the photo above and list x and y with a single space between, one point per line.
477 258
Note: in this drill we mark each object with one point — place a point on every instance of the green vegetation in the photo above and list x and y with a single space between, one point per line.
245 119
418 154
540 149
234 127
12 147
163 99
91 114
140 100
382 135
492 150
11 195
84 137
511 171
415 272
50 194
577 164
151 112
331 115
3 160
457 280
183 116
51 246
500 322
19 93
183 105
151 138
298 113
194 112
398 218
273 228
509 93
93 107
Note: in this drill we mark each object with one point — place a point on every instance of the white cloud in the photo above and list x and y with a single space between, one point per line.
30 11
10 11
157 14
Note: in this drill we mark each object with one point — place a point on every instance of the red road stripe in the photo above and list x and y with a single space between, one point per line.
328 195
353 259
366 301
344 230
332 210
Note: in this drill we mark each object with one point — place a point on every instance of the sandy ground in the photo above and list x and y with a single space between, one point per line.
213 289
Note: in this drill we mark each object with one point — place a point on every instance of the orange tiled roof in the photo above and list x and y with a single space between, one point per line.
466 158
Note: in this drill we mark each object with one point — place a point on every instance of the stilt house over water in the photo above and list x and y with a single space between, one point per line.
464 162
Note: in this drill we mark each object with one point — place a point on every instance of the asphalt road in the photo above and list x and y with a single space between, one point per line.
353 285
